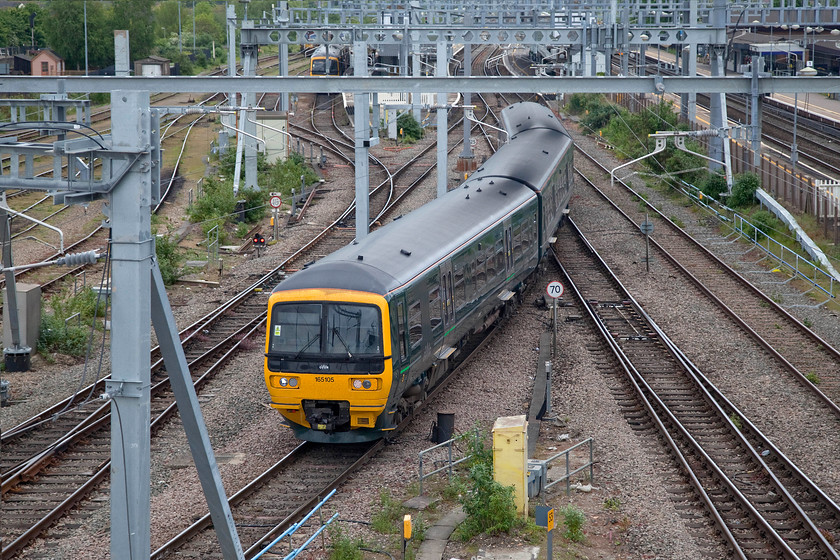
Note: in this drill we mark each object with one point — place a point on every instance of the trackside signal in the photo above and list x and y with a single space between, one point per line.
259 242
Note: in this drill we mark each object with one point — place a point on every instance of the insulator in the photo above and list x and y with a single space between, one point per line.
74 259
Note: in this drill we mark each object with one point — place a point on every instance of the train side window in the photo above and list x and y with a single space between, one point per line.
415 325
460 285
402 335
434 308
491 263
517 242
480 274
499 255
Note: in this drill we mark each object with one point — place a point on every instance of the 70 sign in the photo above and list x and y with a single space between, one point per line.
554 289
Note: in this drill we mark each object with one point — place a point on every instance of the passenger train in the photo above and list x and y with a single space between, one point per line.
355 341
329 60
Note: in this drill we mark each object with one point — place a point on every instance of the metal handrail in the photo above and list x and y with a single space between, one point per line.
567 477
449 463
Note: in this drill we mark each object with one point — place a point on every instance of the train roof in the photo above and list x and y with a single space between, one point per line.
538 136
399 251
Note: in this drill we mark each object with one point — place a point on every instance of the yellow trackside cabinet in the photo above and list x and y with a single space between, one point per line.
510 457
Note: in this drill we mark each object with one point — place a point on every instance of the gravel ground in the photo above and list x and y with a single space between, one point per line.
248 438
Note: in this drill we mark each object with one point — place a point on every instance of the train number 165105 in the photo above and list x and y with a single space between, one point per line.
324 379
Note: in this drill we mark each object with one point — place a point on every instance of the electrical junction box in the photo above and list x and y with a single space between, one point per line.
537 477
510 457
29 316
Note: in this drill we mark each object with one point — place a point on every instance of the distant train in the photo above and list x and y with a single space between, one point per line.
356 341
329 60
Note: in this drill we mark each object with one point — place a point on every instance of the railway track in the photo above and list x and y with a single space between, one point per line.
762 511
812 362
285 492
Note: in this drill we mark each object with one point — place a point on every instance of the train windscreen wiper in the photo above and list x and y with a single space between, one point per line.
307 345
338 335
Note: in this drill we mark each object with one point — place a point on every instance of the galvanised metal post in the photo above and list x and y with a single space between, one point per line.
441 70
132 249
361 118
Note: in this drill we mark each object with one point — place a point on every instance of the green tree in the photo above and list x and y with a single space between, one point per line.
137 17
210 23
14 26
65 33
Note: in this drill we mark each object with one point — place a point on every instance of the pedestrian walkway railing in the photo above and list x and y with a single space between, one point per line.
445 454
294 552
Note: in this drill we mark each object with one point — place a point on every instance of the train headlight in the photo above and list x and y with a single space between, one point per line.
365 384
283 382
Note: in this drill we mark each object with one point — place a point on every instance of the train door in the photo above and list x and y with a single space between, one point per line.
447 294
508 246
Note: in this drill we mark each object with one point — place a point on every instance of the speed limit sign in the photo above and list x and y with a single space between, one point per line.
554 289
275 201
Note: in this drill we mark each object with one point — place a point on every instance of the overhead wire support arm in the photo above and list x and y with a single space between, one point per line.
679 137
660 146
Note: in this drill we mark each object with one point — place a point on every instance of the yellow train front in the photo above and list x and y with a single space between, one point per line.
327 369
329 60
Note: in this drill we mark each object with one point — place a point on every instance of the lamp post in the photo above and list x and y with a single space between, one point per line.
794 155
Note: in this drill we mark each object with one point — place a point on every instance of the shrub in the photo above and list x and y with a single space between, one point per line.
489 506
714 185
598 116
573 519
216 201
765 223
581 102
71 338
285 176
169 259
743 191
411 129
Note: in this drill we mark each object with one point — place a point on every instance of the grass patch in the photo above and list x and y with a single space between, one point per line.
813 378
388 520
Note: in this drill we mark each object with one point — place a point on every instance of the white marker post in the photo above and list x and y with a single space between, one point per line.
554 290
275 202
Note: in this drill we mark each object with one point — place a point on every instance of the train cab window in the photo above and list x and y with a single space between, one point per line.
295 328
353 330
415 325
331 329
